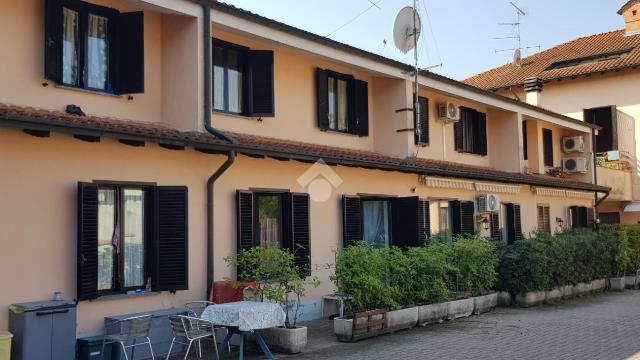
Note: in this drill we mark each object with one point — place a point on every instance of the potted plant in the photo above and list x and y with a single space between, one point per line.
280 281
361 272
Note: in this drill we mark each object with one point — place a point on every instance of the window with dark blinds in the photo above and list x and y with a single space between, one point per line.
513 223
547 146
470 132
421 124
462 221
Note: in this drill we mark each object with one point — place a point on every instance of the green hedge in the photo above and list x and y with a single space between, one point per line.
543 261
633 237
393 278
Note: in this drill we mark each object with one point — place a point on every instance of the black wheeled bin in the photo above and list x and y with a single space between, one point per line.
90 348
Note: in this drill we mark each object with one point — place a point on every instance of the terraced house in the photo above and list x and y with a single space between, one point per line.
143 141
593 79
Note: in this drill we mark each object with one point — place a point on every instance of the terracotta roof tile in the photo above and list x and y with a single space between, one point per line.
589 47
39 119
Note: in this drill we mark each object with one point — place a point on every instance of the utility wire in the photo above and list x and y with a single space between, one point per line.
373 4
435 41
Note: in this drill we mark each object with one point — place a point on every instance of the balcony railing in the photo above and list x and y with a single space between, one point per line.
616 160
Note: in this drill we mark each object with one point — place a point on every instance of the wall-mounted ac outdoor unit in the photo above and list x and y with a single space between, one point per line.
488 203
448 112
573 144
576 164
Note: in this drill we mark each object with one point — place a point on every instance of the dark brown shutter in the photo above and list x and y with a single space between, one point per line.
300 232
458 133
322 99
481 134
361 108
525 145
467 209
456 219
424 222
261 90
127 76
171 260
547 146
351 220
514 223
517 222
244 201
87 262
494 221
53 41
590 217
574 216
423 103
405 222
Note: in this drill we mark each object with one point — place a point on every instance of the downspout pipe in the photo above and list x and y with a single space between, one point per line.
231 155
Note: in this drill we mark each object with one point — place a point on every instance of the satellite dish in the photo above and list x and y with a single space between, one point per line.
406 24
517 57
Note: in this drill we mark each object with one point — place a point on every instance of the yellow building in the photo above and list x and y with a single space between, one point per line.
143 141
594 79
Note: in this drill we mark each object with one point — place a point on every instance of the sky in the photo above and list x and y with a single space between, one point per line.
459 34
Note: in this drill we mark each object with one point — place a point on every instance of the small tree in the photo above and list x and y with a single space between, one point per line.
278 278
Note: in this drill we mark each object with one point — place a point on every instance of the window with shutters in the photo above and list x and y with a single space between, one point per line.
386 221
462 217
130 237
544 219
470 132
605 117
525 141
579 216
513 222
421 125
94 47
342 103
275 219
547 146
444 218
242 80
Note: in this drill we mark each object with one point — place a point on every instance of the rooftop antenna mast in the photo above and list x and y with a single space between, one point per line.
517 49
406 31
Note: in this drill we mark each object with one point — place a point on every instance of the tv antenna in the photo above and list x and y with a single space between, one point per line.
407 27
515 27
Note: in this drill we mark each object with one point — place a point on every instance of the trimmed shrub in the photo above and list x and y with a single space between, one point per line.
431 269
545 261
476 261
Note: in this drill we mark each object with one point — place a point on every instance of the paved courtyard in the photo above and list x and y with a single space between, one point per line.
594 327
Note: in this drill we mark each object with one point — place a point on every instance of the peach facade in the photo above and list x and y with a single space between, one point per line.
39 186
619 89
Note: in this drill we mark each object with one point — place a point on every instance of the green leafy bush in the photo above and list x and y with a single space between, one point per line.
545 261
431 269
476 261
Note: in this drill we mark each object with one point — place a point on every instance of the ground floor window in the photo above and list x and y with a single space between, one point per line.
131 237
275 219
579 216
609 217
385 221
375 223
544 219
512 222
444 218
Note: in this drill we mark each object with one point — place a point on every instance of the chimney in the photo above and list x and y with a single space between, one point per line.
631 14
533 89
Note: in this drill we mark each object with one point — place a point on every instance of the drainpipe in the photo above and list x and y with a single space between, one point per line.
231 155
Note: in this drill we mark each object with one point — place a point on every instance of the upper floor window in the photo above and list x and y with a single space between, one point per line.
94 47
421 134
470 132
343 103
547 147
242 80
606 117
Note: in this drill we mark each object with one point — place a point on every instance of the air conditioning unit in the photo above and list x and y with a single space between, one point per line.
573 144
488 203
448 112
574 165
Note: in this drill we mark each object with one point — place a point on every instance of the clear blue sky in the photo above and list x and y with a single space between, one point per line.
462 32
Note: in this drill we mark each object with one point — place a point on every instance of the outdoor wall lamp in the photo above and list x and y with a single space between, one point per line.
485 224
559 221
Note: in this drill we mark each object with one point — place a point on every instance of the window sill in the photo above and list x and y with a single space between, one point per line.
236 115
126 296
86 91
339 132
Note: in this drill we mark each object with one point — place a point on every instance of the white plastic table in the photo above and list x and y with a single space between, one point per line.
244 317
